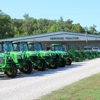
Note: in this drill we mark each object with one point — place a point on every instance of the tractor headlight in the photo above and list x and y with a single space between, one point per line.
47 55
19 57
38 54
25 56
60 55
8 58
66 55
52 54
34 55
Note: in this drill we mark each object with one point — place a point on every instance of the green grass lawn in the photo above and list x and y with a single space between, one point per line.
85 89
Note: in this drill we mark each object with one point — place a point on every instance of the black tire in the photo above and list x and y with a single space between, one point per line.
62 63
27 69
77 59
13 71
69 62
41 66
54 64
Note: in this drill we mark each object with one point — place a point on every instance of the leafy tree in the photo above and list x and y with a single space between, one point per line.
92 29
16 26
68 25
30 25
5 30
55 28
77 28
27 26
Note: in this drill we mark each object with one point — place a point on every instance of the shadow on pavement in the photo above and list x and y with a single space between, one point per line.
36 73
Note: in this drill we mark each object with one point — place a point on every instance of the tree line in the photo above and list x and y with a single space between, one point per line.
10 27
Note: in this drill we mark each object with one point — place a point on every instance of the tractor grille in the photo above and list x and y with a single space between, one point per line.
66 55
19 60
57 56
34 57
1 60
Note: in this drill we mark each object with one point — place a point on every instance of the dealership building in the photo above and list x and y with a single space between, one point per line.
67 39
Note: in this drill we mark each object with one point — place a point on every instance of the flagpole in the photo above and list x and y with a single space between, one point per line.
86 35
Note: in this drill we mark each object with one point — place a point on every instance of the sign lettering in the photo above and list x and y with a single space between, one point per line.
62 38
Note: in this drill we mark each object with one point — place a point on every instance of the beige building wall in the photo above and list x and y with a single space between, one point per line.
67 44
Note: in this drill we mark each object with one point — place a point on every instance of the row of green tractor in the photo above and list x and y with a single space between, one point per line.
81 55
75 55
25 56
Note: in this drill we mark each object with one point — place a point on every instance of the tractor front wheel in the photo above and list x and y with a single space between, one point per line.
12 71
69 61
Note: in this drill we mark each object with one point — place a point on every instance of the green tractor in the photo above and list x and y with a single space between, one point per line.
62 56
48 56
76 55
79 56
7 64
19 58
89 53
37 62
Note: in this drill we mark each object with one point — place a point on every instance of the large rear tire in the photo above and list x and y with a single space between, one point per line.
62 63
27 69
54 64
42 65
12 72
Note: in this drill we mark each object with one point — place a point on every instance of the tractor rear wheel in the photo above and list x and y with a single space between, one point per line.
42 65
54 64
27 69
12 72
62 63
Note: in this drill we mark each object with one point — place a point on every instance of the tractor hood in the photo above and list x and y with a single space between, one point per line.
16 53
61 52
4 55
51 53
43 51
32 52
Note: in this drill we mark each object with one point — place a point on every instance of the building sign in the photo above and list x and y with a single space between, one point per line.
64 38
72 38
56 38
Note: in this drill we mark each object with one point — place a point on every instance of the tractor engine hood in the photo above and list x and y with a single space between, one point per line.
16 53
32 53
